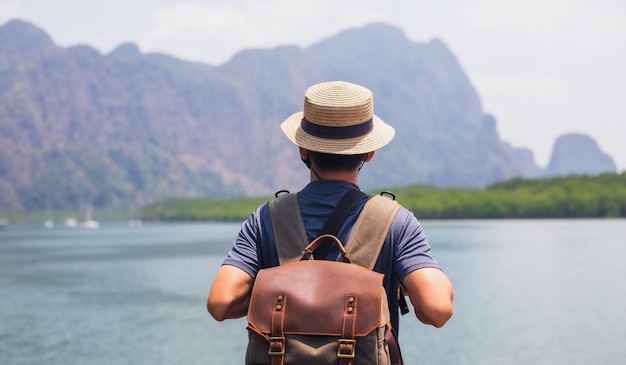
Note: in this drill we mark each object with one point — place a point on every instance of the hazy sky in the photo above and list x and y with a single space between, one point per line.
542 67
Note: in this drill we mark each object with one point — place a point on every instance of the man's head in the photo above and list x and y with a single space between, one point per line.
338 119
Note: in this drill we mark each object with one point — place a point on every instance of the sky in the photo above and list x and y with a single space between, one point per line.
542 68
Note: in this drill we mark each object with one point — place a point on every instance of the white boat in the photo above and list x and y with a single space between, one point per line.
48 223
89 223
71 222
135 223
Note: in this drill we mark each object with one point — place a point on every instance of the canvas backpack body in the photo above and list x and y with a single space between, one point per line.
319 312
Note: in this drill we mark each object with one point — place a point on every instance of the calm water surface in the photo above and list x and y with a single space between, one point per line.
527 292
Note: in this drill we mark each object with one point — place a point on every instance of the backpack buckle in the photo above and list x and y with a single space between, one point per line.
346 348
277 346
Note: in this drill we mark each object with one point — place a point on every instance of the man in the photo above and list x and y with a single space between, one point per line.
337 132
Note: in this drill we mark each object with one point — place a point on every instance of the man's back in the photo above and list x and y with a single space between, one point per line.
405 250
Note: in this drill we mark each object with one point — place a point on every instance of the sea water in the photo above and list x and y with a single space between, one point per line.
526 292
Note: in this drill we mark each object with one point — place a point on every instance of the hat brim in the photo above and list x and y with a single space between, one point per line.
381 134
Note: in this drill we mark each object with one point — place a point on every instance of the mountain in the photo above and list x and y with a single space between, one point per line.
79 128
577 153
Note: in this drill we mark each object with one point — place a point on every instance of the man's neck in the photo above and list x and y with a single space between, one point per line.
347 176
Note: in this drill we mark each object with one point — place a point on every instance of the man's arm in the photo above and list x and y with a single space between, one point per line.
230 293
431 294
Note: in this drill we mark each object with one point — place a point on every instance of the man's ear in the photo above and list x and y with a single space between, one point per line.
304 156
304 153
369 157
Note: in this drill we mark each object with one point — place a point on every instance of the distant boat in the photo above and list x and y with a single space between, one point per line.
88 222
71 222
3 223
135 223
48 223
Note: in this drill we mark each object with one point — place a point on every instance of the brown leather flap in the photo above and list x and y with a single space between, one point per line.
315 297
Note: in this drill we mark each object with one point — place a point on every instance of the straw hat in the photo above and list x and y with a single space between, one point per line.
338 118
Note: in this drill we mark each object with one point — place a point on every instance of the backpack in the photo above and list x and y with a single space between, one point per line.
308 311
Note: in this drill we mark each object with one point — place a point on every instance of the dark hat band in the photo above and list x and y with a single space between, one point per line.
328 132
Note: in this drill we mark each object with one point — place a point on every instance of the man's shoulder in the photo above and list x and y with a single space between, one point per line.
405 219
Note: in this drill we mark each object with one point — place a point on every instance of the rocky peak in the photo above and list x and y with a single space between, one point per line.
20 39
577 153
125 50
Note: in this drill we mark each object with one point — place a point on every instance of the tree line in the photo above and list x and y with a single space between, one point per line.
575 196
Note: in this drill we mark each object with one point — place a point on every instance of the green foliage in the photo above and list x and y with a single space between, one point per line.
575 196
202 209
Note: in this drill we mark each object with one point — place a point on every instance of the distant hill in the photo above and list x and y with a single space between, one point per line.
578 154
79 128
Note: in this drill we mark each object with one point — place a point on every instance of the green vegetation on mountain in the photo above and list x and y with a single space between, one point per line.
575 196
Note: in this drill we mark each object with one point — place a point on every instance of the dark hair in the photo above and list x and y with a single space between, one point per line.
332 162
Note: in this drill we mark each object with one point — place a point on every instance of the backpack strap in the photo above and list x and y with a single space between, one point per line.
369 235
364 245
336 218
370 231
289 232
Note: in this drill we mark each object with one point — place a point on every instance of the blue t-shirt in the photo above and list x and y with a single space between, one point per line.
405 249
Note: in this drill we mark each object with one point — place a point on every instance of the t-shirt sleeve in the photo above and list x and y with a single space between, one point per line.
412 250
244 253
